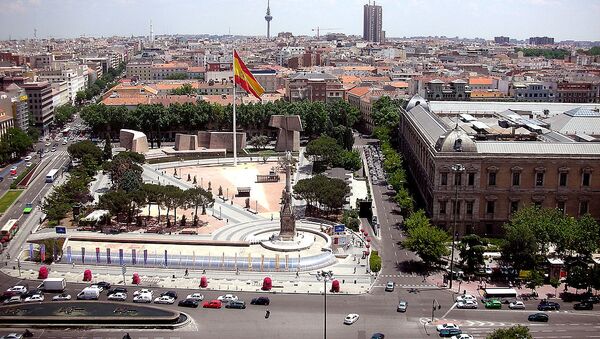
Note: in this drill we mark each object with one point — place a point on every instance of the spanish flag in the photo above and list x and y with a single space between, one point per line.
244 78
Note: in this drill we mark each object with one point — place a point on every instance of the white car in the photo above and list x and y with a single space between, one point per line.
27 158
61 297
227 298
142 291
12 336
467 304
29 164
13 300
462 336
165 299
17 289
351 318
195 296
143 298
97 287
516 305
119 296
34 298
447 325
465 297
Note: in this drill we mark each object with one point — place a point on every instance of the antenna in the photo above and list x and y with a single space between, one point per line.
35 33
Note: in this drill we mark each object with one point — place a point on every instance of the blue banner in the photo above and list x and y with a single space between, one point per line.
108 256
69 258
43 253
120 257
83 255
97 255
133 257
145 257
166 262
31 252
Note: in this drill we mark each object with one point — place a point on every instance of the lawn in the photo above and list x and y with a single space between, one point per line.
8 198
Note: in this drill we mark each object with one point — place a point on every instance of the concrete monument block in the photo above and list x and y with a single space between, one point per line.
185 142
220 140
290 127
134 141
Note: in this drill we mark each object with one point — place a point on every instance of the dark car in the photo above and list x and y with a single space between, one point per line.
189 303
583 306
538 317
32 292
448 332
236 304
548 306
260 301
377 336
117 290
105 286
171 294
594 299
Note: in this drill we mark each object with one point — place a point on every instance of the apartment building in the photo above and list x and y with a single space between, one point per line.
40 100
14 102
314 87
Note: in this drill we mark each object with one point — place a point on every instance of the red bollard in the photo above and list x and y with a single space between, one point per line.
203 282
267 284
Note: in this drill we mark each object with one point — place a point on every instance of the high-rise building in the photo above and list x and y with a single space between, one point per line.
39 97
268 18
543 40
372 23
501 39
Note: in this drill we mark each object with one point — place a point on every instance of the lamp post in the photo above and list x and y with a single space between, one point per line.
326 275
456 168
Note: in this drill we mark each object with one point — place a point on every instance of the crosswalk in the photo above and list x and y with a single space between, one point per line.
399 275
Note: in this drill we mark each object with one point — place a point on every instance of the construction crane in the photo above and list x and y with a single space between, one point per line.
319 29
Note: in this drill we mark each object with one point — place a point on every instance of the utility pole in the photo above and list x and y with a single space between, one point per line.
457 169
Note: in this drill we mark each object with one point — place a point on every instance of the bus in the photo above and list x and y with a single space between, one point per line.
66 132
500 293
52 175
9 229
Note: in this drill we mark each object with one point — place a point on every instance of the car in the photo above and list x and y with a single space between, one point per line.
165 299
543 317
34 298
594 299
351 318
116 290
53 149
465 297
195 296
239 304
212 304
27 158
389 287
494 303
402 306
378 336
462 336
188 303
227 298
390 187
118 296
171 294
17 290
143 291
12 336
471 304
450 332
48 144
28 208
61 297
104 285
64 142
260 301
28 164
143 298
516 305
584 305
13 300
446 326
548 306
32 292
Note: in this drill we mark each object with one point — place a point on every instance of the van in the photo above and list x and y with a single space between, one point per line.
53 284
236 304
89 293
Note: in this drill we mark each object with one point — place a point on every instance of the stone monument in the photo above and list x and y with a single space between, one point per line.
290 127
287 219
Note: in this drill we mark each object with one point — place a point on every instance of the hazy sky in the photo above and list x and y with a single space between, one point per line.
561 19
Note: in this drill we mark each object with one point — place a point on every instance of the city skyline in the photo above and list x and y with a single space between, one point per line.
560 19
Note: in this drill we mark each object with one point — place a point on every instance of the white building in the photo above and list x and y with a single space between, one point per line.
76 79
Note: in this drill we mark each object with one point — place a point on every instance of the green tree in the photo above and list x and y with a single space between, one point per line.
404 201
177 76
375 261
185 89
416 219
64 113
428 242
535 280
579 275
513 332
14 144
117 202
554 282
324 149
259 142
471 248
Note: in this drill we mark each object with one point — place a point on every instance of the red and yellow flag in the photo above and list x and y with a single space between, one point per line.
244 78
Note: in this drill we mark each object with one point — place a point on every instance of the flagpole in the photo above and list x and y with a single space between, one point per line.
234 104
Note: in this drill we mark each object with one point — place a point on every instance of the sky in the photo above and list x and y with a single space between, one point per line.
520 19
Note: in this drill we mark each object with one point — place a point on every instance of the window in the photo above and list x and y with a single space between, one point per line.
516 179
583 207
444 179
562 179
442 207
514 207
586 179
492 179
539 179
561 206
471 179
469 207
490 207
457 179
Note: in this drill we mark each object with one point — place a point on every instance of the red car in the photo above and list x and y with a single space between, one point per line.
212 304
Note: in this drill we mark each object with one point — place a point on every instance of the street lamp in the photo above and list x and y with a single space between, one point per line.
456 168
326 275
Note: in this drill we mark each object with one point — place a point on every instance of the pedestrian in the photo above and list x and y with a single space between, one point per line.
186 272
297 274
73 264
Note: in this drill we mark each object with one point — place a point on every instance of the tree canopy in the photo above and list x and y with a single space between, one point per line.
513 332
427 241
327 193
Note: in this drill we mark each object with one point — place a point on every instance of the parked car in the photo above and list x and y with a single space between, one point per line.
462 336
389 287
35 298
189 303
465 297
494 304
165 299
548 306
117 290
104 285
118 296
27 158
13 300
446 326
61 297
450 332
143 298
239 304
12 336
32 292
142 291
471 304
195 296
543 317
17 290
351 318
212 304
260 301
378 336
402 305
516 305
227 298
583 306
171 294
